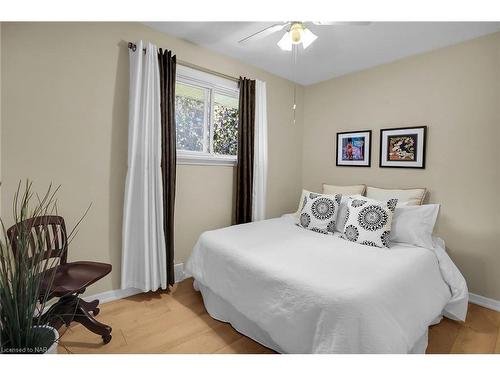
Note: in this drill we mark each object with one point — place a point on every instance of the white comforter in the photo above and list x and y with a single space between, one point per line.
314 293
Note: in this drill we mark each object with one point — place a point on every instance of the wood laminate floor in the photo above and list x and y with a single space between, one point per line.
178 323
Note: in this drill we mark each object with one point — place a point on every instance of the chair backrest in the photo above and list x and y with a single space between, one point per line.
42 233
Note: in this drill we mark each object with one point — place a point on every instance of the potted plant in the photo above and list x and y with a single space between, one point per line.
26 269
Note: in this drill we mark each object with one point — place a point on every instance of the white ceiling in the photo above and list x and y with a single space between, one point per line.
339 49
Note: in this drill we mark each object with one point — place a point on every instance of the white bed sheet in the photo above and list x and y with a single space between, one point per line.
312 293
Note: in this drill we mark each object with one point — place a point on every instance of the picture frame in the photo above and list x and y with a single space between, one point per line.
354 149
403 147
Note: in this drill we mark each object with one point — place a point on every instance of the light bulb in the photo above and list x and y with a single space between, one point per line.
296 32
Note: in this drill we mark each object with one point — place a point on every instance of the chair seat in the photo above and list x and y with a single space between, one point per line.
74 277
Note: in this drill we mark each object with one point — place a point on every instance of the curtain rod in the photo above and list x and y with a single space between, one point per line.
133 47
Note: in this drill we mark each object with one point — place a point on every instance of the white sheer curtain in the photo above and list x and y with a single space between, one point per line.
260 153
143 253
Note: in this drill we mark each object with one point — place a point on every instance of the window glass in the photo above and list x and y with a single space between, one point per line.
190 119
225 124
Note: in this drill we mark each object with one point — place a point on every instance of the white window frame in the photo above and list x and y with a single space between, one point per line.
212 85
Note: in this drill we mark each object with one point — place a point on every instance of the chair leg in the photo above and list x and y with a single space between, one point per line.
72 308
91 306
61 312
83 317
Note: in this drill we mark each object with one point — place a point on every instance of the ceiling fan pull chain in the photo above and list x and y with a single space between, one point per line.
295 51
294 101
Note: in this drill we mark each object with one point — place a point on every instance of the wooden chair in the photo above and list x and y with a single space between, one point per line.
69 279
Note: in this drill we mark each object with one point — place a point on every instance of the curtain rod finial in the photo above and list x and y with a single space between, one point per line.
132 46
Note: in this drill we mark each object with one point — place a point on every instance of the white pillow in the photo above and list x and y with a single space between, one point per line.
413 197
414 225
344 190
369 222
319 212
301 201
342 215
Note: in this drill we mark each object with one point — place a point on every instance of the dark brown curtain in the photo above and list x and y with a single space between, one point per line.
167 64
246 135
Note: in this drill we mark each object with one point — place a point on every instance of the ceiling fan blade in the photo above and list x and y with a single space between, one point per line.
333 23
265 32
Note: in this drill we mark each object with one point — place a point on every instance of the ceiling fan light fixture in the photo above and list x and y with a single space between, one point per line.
285 43
296 35
308 37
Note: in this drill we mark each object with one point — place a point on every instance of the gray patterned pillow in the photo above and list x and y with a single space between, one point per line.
319 212
369 222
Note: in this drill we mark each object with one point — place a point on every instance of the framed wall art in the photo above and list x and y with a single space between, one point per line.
403 147
354 149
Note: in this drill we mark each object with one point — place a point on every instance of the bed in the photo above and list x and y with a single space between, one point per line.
297 291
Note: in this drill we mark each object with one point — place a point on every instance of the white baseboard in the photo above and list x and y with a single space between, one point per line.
489 303
113 295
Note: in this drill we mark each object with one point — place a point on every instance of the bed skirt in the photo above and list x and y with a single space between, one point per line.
221 310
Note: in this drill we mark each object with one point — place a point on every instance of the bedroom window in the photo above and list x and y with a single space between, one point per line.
206 115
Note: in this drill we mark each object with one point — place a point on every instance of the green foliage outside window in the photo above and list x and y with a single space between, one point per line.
189 116
225 130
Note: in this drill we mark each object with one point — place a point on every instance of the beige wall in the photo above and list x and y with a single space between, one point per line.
455 92
65 119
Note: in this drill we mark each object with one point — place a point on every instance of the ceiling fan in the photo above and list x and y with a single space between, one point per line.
298 33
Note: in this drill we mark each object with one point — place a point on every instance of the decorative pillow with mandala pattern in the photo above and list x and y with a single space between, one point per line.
319 212
369 222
